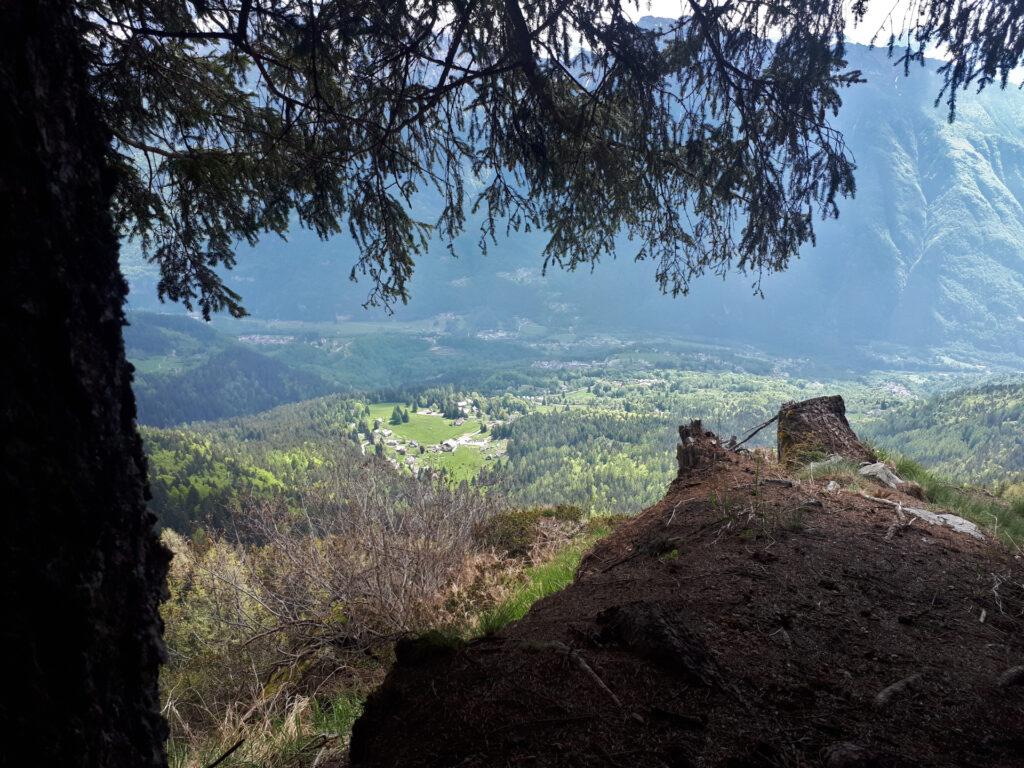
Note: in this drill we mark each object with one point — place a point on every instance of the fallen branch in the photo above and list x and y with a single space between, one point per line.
772 420
573 655
942 519
898 524
675 508
652 548
227 754
900 686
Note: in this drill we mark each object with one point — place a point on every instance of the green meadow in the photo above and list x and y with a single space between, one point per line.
423 428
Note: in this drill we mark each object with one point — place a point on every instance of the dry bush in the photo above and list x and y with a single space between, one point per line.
520 532
302 601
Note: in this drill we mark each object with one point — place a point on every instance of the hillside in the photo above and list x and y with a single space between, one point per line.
925 264
747 620
972 435
598 437
186 371
190 371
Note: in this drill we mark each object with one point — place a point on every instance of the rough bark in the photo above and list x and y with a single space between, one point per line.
815 429
82 569
697 449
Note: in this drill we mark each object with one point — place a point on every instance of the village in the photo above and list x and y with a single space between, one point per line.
424 439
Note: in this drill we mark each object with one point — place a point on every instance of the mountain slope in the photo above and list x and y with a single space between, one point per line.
186 371
974 435
927 259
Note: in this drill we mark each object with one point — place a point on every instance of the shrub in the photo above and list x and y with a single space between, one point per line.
303 602
514 532
279 626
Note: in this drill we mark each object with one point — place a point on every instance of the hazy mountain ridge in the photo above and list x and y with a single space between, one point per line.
927 259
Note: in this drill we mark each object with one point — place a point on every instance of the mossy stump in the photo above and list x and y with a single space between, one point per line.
811 430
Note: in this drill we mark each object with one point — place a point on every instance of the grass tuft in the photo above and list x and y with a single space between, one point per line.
544 579
1002 517
841 470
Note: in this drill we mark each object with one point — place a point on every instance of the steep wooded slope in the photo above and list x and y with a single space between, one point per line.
974 435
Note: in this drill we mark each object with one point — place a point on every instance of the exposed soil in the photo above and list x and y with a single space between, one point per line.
744 621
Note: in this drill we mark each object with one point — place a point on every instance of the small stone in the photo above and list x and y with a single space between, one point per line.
880 472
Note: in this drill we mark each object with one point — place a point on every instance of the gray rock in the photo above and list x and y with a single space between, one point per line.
882 473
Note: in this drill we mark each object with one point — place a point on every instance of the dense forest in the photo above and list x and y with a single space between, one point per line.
973 435
599 442
199 474
601 460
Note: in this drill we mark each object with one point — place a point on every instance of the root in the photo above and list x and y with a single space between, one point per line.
577 658
886 695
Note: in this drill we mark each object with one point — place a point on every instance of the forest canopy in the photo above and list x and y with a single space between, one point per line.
705 141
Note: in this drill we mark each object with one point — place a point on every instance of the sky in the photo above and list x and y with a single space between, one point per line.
882 18
878 10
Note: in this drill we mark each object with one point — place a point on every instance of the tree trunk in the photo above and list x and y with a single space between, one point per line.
697 449
82 569
815 429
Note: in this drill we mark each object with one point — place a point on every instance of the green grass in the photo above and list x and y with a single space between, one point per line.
580 397
843 471
1003 517
326 724
338 715
426 430
464 463
542 580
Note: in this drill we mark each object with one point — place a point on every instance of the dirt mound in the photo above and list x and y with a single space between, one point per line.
747 620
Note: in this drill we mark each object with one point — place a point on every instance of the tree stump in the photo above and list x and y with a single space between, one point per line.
697 448
814 429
